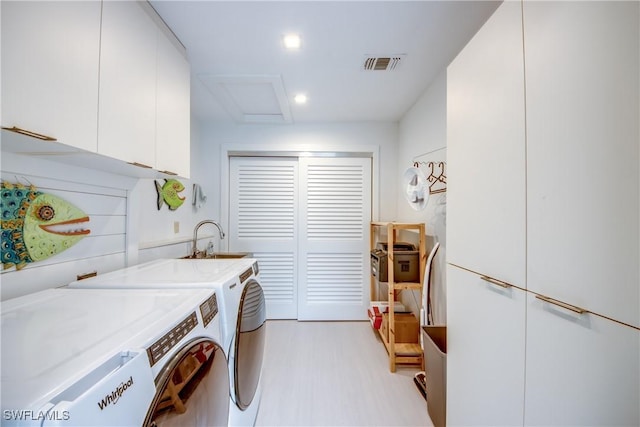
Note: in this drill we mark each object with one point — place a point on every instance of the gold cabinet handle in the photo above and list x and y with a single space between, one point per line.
30 133
140 165
169 173
86 275
496 282
564 305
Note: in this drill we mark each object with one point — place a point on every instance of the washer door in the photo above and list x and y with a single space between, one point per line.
249 346
193 388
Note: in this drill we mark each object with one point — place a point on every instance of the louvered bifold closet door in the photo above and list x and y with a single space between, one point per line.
263 219
335 204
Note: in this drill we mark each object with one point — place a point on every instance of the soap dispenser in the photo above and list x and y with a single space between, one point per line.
209 250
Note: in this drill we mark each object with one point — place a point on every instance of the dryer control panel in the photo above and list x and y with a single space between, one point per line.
209 309
246 274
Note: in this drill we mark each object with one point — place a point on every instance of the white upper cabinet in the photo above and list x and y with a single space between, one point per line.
582 85
104 77
173 119
127 113
50 57
486 151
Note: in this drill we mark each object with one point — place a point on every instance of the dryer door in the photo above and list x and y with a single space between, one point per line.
193 388
249 346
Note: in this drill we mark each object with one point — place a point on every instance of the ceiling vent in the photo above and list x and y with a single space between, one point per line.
382 63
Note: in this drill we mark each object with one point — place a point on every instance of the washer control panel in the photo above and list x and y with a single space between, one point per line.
169 340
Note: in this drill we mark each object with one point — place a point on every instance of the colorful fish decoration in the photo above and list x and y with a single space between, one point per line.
168 193
36 225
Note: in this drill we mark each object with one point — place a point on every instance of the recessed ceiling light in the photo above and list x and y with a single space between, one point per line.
292 41
300 98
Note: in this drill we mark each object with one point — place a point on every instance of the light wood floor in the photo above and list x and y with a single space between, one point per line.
334 374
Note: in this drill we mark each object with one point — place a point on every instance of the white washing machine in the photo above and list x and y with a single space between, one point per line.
76 357
220 274
243 309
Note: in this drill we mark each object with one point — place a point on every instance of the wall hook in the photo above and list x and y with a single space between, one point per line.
437 179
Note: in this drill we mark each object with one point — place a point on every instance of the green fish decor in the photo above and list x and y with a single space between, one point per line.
36 225
168 193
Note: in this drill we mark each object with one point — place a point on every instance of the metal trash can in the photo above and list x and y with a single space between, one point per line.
435 361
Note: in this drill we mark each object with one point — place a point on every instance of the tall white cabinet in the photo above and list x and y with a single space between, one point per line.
485 129
486 226
582 212
582 151
555 340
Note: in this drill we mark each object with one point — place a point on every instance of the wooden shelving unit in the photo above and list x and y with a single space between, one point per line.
399 353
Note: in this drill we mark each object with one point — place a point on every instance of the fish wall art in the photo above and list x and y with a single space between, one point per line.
37 225
169 193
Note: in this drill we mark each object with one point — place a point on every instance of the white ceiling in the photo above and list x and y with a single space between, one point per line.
241 71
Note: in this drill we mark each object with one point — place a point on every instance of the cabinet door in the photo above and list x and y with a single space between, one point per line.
486 151
582 62
581 369
50 59
173 107
485 351
127 113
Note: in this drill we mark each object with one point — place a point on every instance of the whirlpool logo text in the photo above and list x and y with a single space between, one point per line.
114 396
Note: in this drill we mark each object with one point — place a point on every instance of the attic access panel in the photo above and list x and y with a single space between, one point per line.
250 98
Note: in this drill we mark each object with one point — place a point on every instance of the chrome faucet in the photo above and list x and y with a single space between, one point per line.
194 248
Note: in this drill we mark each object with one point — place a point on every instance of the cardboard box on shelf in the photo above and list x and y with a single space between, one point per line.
406 264
376 308
406 328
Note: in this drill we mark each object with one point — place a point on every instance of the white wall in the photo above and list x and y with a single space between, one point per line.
149 231
336 136
102 196
155 228
423 129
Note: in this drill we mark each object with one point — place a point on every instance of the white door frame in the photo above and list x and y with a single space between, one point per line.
370 153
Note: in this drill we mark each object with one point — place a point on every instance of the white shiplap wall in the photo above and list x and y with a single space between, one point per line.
102 196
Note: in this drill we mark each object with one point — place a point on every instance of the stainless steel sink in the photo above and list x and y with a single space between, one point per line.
218 255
